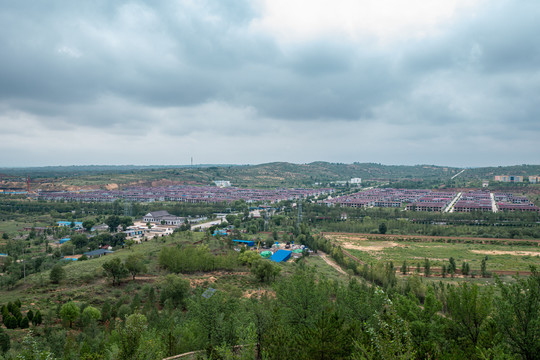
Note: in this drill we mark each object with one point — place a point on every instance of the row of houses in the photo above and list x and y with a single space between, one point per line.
517 178
188 194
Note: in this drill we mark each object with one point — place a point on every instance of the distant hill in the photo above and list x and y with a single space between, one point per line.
276 174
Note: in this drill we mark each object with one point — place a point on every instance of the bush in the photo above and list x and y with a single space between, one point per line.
57 274
174 288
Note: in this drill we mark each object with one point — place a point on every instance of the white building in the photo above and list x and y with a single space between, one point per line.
163 217
356 181
222 183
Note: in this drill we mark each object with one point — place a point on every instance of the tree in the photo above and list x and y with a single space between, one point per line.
115 270
469 309
452 266
382 228
427 267
444 272
265 271
135 265
404 267
130 243
88 225
57 274
465 269
125 222
174 288
5 343
130 335
90 315
483 267
70 312
113 222
79 240
37 319
518 314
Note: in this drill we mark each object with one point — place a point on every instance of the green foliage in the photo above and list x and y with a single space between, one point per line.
57 274
70 312
130 336
249 257
90 315
518 314
265 270
175 289
192 259
5 342
135 265
115 270
37 319
469 309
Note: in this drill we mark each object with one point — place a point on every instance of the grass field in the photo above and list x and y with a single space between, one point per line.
500 257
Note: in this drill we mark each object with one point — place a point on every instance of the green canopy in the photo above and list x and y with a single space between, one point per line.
298 251
266 254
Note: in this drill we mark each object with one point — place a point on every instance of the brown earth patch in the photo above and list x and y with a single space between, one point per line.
259 293
374 247
111 186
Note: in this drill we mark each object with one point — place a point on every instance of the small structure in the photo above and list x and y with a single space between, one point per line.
281 255
64 240
245 242
76 224
97 253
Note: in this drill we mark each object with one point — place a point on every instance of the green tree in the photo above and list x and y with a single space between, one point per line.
135 265
57 274
518 314
404 267
469 309
427 267
131 334
174 288
69 312
115 270
38 319
5 343
452 266
113 222
382 228
483 268
265 271
88 224
90 315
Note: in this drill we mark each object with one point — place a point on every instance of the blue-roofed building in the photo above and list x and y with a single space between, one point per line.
64 240
281 255
3 255
77 224
245 242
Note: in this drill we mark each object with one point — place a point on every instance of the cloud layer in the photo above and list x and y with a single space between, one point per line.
116 82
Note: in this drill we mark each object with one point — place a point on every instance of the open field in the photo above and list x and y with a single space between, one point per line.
501 258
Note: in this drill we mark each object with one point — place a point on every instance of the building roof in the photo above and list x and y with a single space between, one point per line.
281 255
98 252
158 214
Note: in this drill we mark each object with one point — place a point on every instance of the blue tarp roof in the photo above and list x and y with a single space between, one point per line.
281 255
247 242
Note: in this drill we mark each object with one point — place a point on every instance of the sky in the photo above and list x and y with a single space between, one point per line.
444 82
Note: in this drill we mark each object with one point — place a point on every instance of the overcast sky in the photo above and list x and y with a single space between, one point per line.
445 82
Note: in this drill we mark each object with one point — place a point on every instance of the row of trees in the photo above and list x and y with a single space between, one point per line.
309 317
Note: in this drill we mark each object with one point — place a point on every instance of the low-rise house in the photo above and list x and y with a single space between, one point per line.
163 217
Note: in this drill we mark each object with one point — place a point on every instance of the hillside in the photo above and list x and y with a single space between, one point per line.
277 174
